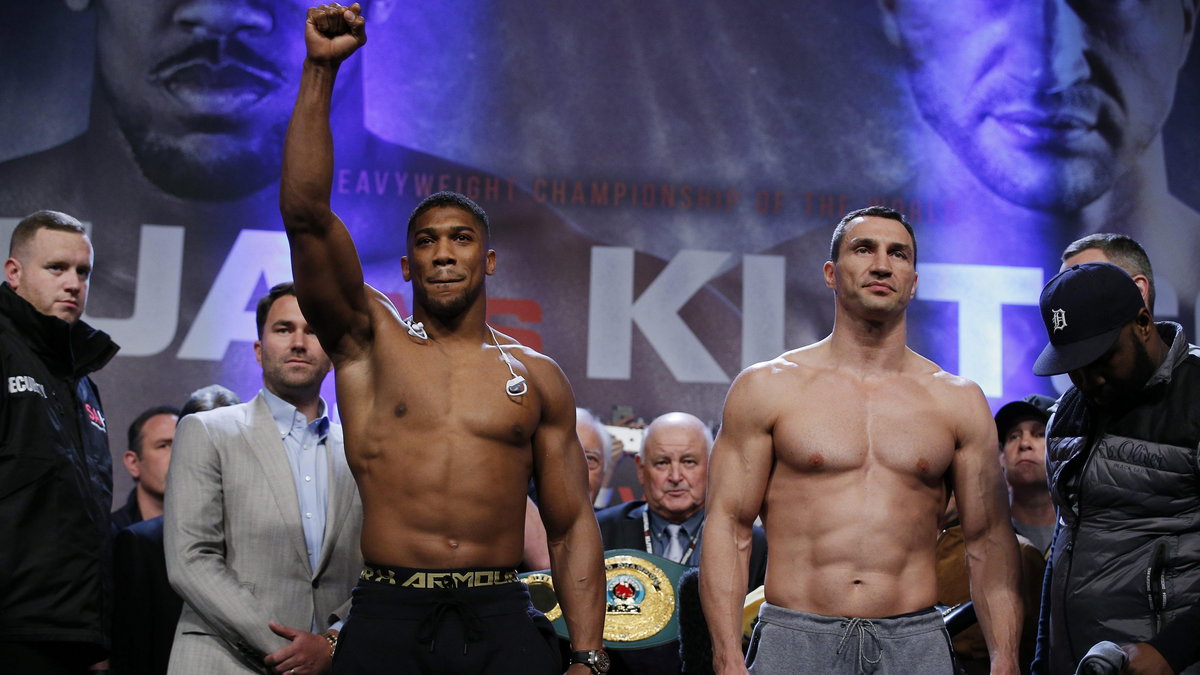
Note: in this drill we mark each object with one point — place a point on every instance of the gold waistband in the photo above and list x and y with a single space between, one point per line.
437 579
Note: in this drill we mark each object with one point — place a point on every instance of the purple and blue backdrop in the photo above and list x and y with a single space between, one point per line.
663 177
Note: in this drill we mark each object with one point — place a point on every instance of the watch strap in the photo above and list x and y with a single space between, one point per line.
596 659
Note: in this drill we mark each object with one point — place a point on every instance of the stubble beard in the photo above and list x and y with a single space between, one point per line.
873 308
1063 190
449 309
203 169
299 382
1130 390
1041 181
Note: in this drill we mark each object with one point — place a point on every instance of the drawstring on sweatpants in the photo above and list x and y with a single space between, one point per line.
472 624
863 627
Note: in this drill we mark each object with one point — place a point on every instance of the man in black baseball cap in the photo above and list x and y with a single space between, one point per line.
1021 427
1101 333
1121 453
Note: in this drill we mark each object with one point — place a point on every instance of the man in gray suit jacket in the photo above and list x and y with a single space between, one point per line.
263 517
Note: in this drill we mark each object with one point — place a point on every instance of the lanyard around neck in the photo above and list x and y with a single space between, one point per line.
687 554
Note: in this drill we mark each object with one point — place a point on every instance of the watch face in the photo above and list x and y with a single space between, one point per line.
602 662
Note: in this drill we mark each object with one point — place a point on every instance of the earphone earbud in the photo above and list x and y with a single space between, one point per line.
415 328
516 386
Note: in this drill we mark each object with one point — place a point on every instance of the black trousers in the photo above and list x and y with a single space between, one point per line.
47 658
445 631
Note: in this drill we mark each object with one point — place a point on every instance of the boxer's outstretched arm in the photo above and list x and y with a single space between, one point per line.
325 264
992 559
737 482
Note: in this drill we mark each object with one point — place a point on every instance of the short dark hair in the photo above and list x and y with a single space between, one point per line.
455 199
839 232
27 229
1124 252
208 398
264 303
135 429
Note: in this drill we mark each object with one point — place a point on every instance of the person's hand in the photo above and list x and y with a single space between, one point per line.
1145 660
333 32
308 654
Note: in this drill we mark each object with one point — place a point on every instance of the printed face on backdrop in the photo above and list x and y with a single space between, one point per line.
1046 103
202 89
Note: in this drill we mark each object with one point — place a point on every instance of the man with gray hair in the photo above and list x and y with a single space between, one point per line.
597 444
209 398
55 468
672 466
1120 250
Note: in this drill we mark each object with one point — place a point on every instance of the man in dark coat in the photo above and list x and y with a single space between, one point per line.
673 470
55 469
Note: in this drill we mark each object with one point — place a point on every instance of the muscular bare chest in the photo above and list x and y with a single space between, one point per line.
839 423
421 397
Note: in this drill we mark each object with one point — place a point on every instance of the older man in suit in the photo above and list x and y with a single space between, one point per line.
263 517
672 466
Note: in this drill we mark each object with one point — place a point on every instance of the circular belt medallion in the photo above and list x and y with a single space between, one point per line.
639 599
542 595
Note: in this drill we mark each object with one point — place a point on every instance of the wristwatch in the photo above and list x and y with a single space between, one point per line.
596 659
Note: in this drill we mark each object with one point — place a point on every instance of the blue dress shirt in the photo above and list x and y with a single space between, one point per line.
304 443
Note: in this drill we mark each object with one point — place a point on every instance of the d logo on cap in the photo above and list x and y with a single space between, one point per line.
1060 319
1101 299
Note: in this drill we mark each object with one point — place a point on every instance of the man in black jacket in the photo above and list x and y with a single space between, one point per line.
146 608
1122 456
55 469
150 438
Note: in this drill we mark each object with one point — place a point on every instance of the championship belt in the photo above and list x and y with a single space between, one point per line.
641 607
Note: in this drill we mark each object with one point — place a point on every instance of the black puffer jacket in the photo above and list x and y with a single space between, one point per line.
1125 565
55 480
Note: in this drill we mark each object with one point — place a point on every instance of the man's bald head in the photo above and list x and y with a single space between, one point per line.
677 423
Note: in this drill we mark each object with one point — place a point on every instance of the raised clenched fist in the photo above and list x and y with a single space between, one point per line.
333 32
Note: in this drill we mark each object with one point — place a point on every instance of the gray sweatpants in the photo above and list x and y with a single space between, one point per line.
787 641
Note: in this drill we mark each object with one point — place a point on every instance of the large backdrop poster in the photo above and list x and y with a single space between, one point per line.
663 177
